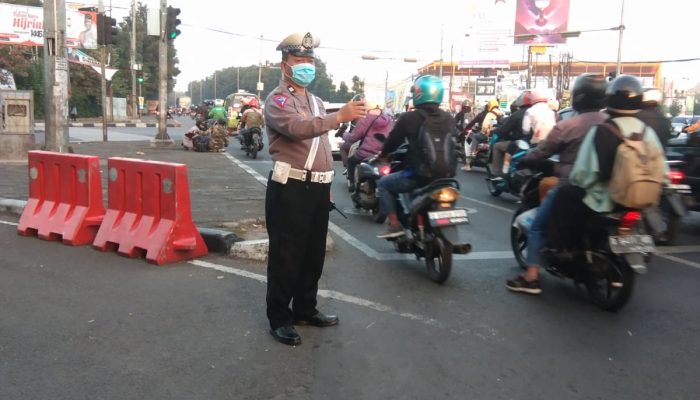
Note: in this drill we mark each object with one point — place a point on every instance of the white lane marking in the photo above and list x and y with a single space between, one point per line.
678 249
329 294
9 223
247 169
483 203
680 260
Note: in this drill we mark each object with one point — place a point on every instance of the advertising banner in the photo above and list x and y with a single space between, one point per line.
24 25
541 18
486 87
487 40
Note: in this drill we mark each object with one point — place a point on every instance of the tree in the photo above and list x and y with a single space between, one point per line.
676 108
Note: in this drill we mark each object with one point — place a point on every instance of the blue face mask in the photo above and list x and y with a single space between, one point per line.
303 74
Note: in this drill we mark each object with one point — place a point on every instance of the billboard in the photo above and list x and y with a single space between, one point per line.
541 18
488 31
24 25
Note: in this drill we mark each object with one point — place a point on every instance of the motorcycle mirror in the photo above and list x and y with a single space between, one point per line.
358 97
522 145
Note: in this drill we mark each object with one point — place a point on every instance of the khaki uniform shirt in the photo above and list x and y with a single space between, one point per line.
291 127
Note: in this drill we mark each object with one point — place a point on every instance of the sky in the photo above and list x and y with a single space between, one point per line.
219 34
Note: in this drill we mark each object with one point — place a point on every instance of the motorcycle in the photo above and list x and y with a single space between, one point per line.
513 181
664 220
481 158
365 195
255 142
431 219
615 247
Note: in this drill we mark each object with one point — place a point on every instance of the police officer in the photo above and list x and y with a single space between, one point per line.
298 192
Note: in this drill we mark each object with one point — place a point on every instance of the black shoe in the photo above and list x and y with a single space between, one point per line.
351 187
519 284
287 335
319 319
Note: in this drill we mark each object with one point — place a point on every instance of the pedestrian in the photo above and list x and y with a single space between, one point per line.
297 200
74 113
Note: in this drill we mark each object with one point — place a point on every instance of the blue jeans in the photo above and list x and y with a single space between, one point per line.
390 186
536 238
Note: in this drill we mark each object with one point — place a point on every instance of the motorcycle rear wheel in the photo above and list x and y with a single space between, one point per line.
439 264
518 242
254 146
610 284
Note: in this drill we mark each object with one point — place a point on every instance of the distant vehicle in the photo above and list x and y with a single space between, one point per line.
233 104
183 102
7 80
679 122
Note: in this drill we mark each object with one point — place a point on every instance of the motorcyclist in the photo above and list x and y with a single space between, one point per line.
427 93
510 131
218 111
538 121
219 136
251 118
464 115
588 98
587 191
199 128
653 116
488 118
375 122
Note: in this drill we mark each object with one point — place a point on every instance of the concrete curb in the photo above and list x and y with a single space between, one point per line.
218 241
112 124
12 206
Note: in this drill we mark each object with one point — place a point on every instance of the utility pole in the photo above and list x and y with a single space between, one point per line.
214 85
134 99
260 68
441 36
103 81
56 76
162 138
452 76
618 70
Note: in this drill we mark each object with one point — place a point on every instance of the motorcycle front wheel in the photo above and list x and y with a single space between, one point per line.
610 281
439 263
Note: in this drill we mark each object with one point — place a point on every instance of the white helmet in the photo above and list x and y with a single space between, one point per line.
652 97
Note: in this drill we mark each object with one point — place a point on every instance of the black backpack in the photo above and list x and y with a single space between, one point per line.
433 154
201 143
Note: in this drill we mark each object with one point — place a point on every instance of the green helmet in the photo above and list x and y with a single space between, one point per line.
427 89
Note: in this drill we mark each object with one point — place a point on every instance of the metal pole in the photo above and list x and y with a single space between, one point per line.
134 99
103 81
441 26
56 77
529 67
201 98
260 66
214 84
618 70
452 76
162 137
238 79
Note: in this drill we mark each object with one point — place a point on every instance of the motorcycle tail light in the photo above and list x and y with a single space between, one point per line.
384 170
628 221
676 177
445 195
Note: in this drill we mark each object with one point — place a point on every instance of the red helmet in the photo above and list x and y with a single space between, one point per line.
254 103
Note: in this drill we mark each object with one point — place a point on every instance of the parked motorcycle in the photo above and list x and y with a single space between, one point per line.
513 181
431 218
615 247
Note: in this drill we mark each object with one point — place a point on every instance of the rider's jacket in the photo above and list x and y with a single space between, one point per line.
217 112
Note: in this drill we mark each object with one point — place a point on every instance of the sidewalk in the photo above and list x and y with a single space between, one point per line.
223 195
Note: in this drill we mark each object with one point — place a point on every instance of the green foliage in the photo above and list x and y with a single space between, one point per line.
231 79
675 108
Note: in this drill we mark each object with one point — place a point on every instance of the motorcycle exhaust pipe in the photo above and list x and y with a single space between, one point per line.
465 248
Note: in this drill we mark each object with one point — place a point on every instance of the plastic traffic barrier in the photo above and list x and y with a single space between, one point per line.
148 212
65 198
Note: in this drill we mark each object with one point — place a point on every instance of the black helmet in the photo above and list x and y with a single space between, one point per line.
624 95
588 92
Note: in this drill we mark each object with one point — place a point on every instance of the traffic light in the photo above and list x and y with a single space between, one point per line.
106 29
172 23
139 79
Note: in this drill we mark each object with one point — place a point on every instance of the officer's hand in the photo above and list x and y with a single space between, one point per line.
351 111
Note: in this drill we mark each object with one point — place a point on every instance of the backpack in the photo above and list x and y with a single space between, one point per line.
201 143
638 171
433 154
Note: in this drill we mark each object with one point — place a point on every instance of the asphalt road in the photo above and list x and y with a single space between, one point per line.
80 324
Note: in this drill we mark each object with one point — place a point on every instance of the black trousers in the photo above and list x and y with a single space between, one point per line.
568 217
296 215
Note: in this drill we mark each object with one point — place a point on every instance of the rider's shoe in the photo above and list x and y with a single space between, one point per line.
520 284
467 167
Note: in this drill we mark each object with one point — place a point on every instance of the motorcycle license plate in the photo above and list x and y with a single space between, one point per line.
455 216
631 244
